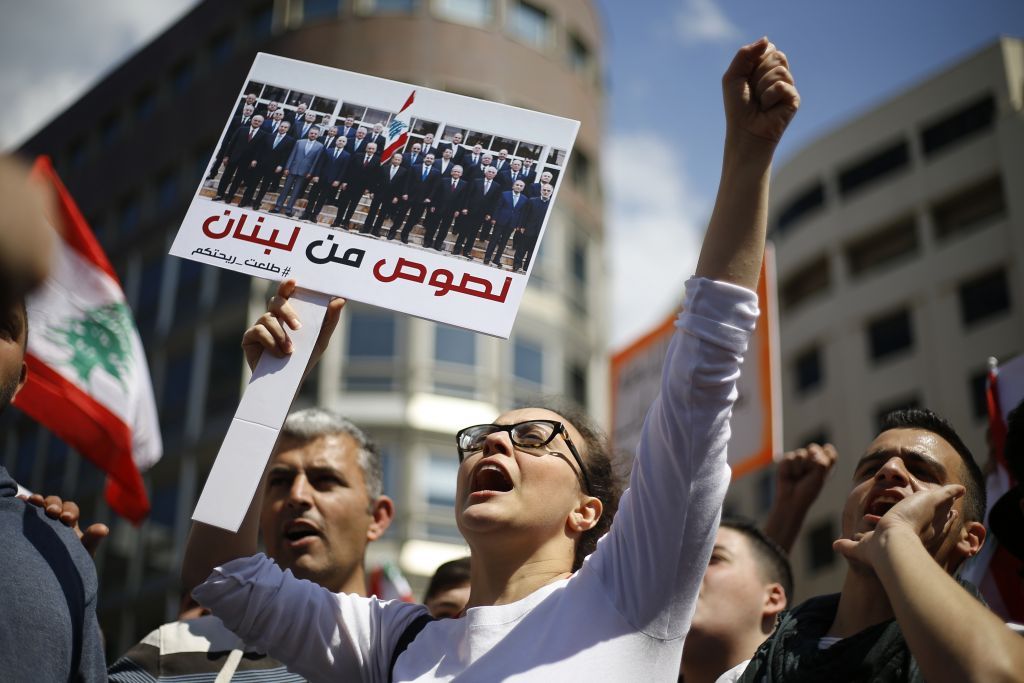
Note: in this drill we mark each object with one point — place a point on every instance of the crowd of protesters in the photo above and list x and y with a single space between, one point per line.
567 577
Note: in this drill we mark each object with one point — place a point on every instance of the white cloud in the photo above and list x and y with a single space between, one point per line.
655 223
703 21
53 51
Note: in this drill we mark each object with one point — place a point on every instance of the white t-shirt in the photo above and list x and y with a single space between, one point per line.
621 617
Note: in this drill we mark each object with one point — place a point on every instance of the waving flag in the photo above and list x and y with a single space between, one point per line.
388 583
398 130
88 381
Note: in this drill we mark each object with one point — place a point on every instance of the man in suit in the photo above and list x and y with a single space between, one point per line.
387 200
525 237
428 145
458 151
507 217
241 158
273 121
529 173
413 156
378 137
445 164
360 178
296 117
240 120
511 174
333 166
330 135
452 195
277 149
348 129
483 199
299 168
357 143
301 130
268 110
471 164
419 194
501 163
533 189
249 101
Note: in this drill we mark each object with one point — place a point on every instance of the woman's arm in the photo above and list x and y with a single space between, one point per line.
209 546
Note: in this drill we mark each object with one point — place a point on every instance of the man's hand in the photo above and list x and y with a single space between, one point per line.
269 333
801 473
927 515
67 513
760 97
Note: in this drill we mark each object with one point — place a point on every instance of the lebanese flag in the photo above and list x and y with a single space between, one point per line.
88 381
398 130
388 583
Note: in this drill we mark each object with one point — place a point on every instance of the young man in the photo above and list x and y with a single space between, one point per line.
911 518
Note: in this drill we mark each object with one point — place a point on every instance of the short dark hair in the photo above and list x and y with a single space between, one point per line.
973 479
449 575
770 557
596 453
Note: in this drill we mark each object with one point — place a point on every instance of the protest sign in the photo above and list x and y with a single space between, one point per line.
422 277
444 226
756 422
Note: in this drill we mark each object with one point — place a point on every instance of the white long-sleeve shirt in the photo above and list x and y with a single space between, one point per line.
621 617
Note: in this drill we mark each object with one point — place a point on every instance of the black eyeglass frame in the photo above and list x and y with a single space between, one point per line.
558 429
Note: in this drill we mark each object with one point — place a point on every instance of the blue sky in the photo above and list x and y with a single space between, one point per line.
664 128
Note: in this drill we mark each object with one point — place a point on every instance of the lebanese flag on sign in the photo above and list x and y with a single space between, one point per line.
88 381
398 130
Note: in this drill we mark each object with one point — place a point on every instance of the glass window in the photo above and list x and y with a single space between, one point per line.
891 244
442 474
800 207
422 127
384 6
319 9
454 345
579 262
975 207
529 150
579 54
474 138
528 361
580 169
961 125
371 334
983 297
577 383
472 12
819 545
805 283
221 47
356 111
323 104
891 334
808 369
873 168
529 23
556 157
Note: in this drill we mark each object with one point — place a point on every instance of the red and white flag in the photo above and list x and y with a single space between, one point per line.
388 583
398 130
88 380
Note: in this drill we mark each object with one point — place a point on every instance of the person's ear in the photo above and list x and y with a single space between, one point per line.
775 600
972 538
585 515
22 378
382 511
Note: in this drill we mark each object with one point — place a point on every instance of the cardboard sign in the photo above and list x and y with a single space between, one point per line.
352 228
756 422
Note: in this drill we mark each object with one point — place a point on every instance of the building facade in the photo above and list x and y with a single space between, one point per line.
132 151
900 248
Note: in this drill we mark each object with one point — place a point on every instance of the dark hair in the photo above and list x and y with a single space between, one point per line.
770 557
1013 449
449 575
973 480
604 485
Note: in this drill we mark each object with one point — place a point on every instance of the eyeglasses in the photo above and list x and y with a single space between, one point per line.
531 436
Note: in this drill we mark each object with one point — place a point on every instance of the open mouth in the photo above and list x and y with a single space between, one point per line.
297 531
491 478
882 505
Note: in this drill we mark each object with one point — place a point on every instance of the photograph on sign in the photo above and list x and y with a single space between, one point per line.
396 195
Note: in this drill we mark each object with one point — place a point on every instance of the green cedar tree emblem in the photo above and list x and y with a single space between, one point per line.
102 338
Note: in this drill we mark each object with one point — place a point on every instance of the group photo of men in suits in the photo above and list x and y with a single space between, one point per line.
455 197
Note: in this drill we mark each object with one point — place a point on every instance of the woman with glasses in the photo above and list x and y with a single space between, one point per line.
535 490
